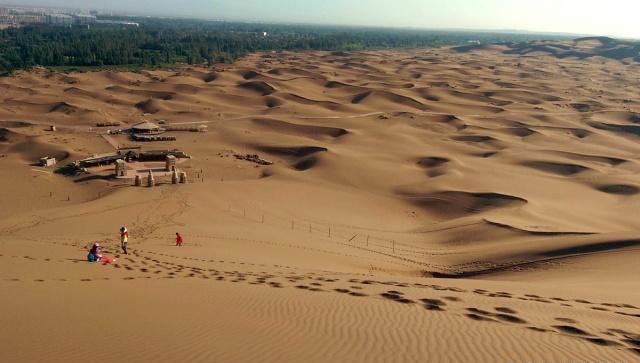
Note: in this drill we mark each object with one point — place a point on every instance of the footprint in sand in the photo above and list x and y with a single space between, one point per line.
502 295
567 320
602 342
357 294
505 310
477 317
396 297
628 314
479 311
510 318
571 330
580 301
506 315
433 304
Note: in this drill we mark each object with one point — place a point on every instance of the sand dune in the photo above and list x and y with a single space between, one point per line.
306 130
474 204
579 48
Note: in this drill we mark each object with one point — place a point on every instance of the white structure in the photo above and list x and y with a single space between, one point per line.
59 19
121 168
47 161
151 182
170 163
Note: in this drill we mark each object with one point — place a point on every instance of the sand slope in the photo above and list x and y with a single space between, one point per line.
441 205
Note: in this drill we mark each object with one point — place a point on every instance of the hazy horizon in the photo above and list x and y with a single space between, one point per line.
613 18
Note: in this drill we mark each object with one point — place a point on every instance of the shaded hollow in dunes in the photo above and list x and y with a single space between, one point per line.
250 75
432 161
305 130
343 86
563 169
31 148
435 165
480 140
620 189
586 107
209 77
260 87
63 107
292 151
305 164
273 102
7 135
597 246
518 131
149 106
607 160
14 124
620 129
452 204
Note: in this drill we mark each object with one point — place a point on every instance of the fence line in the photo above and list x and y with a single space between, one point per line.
344 235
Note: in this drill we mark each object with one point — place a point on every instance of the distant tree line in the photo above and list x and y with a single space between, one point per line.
160 42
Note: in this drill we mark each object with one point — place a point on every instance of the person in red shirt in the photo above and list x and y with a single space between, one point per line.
179 239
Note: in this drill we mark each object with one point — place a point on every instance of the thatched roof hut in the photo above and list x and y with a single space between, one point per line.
148 128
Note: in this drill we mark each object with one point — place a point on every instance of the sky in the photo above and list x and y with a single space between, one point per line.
616 18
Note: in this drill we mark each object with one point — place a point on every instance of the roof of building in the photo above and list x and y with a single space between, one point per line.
145 125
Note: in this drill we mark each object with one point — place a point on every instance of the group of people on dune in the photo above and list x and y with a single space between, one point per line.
95 252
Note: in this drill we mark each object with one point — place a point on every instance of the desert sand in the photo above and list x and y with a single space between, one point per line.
476 204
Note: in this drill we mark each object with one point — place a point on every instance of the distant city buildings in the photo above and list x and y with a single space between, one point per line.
22 16
83 19
59 19
118 22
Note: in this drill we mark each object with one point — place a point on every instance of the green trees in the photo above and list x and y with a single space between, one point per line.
172 41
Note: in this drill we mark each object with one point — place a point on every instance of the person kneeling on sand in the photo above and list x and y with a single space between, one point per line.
179 239
95 254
